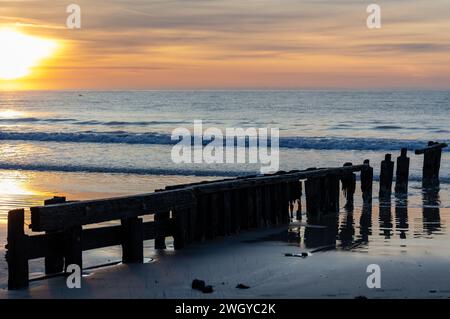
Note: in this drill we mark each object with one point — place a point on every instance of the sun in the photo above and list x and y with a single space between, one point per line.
20 52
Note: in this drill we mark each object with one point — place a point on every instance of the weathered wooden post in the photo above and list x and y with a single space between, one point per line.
386 176
329 194
202 217
274 211
349 186
210 216
227 212
367 182
431 163
216 211
17 255
402 173
312 193
180 236
251 207
160 238
267 205
54 263
299 193
243 208
258 207
235 209
286 203
132 240
73 250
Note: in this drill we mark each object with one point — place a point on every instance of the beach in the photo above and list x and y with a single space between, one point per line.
93 145
409 269
408 242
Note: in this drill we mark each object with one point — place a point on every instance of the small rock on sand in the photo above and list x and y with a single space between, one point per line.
242 286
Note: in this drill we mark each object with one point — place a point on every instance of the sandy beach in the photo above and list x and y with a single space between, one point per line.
409 243
261 266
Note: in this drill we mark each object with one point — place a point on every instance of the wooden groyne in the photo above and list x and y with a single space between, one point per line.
189 213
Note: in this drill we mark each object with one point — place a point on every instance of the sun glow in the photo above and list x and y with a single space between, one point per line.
10 114
19 53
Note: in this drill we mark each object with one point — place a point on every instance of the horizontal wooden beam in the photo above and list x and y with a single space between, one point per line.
285 177
431 148
62 216
92 238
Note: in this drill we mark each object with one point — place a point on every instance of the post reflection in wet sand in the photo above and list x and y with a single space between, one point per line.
401 217
431 211
380 230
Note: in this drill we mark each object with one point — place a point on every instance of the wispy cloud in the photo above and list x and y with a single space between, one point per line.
203 43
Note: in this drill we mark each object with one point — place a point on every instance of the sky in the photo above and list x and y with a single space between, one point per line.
236 44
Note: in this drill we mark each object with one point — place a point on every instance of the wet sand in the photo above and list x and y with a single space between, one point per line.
412 251
262 266
408 238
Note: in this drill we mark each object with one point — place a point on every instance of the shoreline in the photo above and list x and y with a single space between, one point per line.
260 265
412 257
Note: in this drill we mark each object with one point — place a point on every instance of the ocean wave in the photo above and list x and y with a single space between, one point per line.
121 170
155 171
150 138
87 122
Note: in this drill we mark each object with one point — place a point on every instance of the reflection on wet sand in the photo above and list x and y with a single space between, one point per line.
368 228
401 217
15 191
431 211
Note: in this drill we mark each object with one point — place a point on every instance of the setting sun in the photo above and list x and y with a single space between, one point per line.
21 52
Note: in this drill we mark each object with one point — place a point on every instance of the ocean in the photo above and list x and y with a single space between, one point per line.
92 144
90 132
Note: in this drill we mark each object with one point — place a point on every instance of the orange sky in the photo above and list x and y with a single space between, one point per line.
218 44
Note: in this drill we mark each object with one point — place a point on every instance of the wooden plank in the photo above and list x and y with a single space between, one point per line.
180 234
274 179
221 231
73 251
209 212
258 207
216 211
251 207
349 187
55 217
17 251
160 239
431 163
243 208
402 172
132 240
367 183
227 212
431 147
54 263
235 212
93 238
312 193
386 176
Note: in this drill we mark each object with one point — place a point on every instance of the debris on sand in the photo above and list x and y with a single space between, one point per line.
303 255
200 285
208 289
242 286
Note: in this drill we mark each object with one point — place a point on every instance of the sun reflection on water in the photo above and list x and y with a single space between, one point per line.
15 191
10 114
